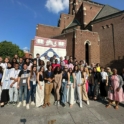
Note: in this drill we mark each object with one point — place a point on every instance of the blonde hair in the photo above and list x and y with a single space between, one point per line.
86 70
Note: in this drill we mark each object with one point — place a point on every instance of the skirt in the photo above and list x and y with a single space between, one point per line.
5 95
40 94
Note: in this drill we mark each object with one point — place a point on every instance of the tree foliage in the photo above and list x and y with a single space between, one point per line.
10 49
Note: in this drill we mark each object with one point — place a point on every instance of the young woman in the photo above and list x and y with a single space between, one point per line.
70 87
65 78
40 88
5 85
103 84
96 79
49 78
90 91
78 96
85 75
14 61
28 63
31 86
115 89
1 74
6 60
35 64
57 84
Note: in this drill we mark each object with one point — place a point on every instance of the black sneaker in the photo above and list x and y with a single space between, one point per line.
14 103
63 105
10 103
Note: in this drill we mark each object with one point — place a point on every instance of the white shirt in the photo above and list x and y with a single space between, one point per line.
14 74
29 67
3 65
104 75
45 62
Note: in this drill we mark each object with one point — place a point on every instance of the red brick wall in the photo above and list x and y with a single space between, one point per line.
104 29
90 11
47 31
94 52
65 20
32 47
69 38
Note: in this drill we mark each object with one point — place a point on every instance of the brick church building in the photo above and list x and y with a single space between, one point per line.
94 32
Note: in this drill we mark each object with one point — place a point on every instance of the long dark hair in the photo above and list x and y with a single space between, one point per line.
33 71
1 70
77 69
71 70
56 70
27 63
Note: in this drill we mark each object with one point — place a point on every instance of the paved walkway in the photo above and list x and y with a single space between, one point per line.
95 113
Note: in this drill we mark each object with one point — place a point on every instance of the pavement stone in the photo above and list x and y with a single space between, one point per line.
95 113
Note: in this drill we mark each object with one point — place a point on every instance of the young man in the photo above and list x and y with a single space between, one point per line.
13 91
22 84
21 63
38 59
45 61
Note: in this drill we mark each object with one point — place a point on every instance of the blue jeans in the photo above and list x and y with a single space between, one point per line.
31 92
91 89
21 89
64 92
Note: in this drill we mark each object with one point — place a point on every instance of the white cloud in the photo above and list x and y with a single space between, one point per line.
25 48
57 6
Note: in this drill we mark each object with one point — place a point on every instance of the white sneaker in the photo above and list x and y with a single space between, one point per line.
24 103
19 104
32 103
58 103
81 105
88 102
27 106
55 103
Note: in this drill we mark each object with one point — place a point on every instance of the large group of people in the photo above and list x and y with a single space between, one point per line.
32 80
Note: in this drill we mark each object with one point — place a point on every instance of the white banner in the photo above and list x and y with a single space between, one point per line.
49 47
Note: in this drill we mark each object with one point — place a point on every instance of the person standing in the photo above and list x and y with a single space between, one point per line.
13 91
122 74
6 60
54 65
70 87
21 62
85 87
103 84
57 85
66 60
115 89
49 78
1 62
22 84
96 79
62 63
45 62
1 74
78 82
31 86
29 64
65 77
38 59
40 87
5 85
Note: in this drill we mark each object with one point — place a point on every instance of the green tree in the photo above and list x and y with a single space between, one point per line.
10 49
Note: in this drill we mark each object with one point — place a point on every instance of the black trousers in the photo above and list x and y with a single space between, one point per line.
103 89
5 96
